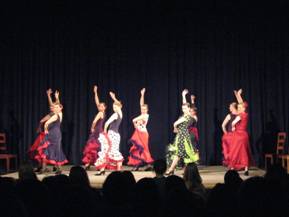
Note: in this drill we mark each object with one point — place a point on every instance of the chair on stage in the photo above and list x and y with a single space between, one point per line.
280 150
5 156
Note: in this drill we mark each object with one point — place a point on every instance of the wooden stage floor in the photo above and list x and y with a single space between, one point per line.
211 175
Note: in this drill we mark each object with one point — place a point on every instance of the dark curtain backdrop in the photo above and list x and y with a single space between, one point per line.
209 47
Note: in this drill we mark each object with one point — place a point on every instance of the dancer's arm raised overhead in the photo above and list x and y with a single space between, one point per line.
142 93
193 99
225 122
49 92
184 93
96 98
56 95
238 96
112 95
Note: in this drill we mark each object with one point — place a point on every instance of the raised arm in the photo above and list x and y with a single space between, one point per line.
56 94
142 93
49 92
238 95
96 99
193 98
109 121
112 95
184 93
225 122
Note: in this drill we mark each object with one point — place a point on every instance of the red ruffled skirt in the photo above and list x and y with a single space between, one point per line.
139 152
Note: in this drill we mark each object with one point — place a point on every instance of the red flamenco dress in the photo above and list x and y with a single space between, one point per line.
226 140
238 156
139 151
93 144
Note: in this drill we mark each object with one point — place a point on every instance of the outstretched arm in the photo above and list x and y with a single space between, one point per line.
112 95
56 94
142 93
49 92
238 95
96 99
184 93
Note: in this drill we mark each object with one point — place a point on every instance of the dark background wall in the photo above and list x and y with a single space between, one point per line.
210 47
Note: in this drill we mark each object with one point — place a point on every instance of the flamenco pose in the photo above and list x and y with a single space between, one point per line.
40 130
193 130
139 152
93 144
49 150
238 154
182 146
227 128
109 156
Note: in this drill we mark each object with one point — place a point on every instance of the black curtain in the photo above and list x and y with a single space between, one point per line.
209 47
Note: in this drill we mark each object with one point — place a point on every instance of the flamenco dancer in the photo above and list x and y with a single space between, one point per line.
40 129
93 144
182 146
227 129
109 157
238 139
139 151
50 150
193 130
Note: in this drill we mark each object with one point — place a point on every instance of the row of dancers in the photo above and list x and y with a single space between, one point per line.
102 147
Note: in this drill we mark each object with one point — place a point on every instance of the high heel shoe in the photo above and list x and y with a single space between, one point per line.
169 173
99 173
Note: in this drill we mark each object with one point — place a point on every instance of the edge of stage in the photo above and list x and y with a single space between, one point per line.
211 175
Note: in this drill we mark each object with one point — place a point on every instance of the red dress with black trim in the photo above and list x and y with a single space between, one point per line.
139 151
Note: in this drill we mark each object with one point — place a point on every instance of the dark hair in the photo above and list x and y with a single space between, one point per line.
78 176
160 166
192 175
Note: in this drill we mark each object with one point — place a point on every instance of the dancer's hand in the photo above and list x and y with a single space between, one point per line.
142 92
233 129
92 130
56 94
175 130
95 89
49 92
193 97
185 92
240 91
112 94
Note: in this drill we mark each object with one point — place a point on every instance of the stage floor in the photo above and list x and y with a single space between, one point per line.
211 175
